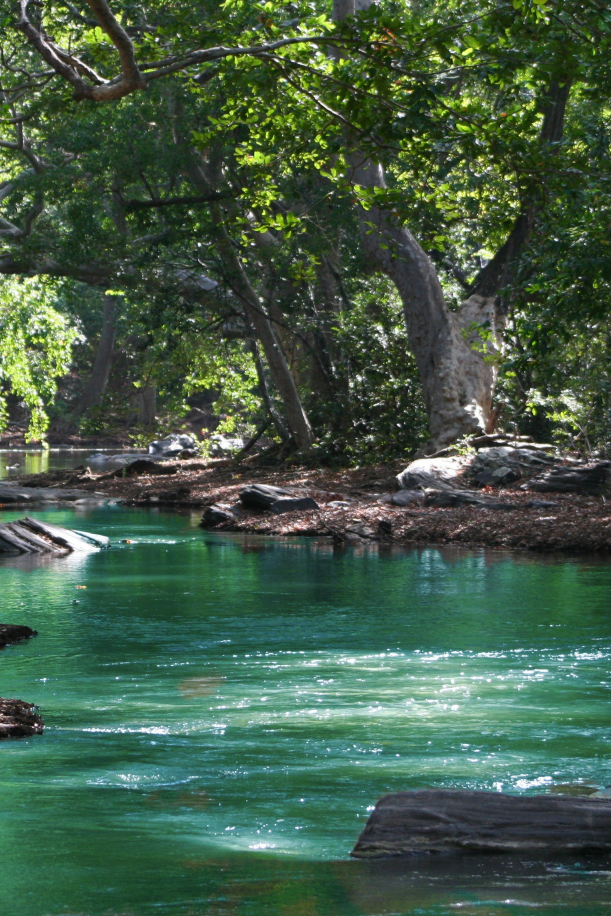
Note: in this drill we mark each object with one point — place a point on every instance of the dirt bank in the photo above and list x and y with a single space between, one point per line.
576 523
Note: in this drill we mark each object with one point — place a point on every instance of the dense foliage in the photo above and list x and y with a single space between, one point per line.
222 197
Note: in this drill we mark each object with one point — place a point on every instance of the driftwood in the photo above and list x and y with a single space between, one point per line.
442 820
19 719
28 535
12 633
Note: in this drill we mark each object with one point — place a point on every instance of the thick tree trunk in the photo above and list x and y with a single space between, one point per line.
98 380
454 351
457 367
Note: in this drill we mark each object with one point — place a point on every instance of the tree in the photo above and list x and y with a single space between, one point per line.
35 349
409 107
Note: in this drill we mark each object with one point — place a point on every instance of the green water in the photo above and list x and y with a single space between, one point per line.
222 712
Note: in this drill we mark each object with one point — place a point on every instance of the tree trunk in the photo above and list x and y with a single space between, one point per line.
456 365
279 368
146 399
98 380
239 283
455 351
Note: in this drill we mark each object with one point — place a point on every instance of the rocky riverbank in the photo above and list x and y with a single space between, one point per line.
359 506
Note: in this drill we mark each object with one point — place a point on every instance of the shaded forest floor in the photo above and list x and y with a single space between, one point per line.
571 523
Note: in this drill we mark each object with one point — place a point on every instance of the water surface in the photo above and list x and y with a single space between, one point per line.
221 714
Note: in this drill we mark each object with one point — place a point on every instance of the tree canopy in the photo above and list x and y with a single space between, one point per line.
360 226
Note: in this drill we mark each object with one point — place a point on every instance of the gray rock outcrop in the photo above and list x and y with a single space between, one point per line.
171 445
442 820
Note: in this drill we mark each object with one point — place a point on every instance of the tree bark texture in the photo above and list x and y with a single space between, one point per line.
98 380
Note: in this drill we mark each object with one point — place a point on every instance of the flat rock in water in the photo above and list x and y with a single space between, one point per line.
30 536
12 633
19 719
441 820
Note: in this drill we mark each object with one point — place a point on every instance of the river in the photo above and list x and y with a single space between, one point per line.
222 712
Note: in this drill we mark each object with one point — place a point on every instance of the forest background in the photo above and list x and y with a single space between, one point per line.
359 229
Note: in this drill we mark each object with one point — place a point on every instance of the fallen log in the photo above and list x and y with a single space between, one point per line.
442 820
19 719
12 633
31 536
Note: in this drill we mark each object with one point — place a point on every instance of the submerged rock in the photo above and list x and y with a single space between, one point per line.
19 719
12 633
442 820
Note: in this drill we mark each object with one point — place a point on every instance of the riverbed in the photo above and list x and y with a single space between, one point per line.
222 711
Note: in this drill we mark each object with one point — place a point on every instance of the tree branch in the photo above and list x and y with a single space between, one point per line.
172 201
498 273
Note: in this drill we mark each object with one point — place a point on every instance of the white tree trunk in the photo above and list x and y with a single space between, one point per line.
457 366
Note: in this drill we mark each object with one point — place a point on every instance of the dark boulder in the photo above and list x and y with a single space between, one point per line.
19 719
216 515
441 820
590 479
12 633
143 466
261 496
293 504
